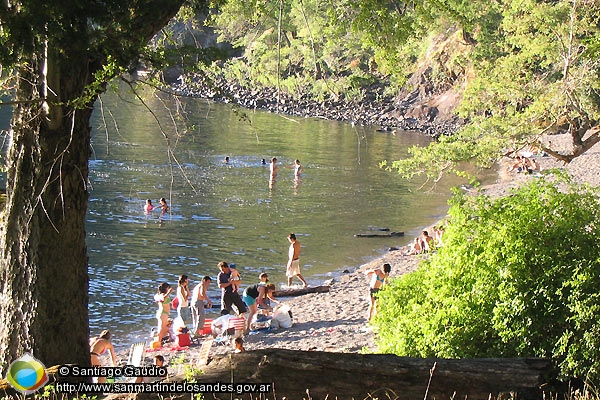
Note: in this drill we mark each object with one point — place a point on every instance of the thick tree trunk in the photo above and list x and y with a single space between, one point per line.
43 305
44 286
320 375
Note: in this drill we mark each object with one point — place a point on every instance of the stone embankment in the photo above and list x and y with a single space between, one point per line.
411 112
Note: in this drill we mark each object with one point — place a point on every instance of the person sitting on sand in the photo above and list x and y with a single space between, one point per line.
218 325
98 346
415 248
379 277
426 241
159 361
238 342
530 165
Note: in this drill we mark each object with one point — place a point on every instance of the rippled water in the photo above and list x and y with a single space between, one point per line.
230 211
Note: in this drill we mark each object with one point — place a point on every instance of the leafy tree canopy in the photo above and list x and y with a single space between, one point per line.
534 70
531 66
516 277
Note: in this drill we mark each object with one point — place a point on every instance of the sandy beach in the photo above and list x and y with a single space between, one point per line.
336 321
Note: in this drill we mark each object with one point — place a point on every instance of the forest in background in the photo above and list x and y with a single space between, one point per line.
512 70
525 68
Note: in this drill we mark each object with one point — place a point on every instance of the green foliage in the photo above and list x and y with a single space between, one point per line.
534 68
517 276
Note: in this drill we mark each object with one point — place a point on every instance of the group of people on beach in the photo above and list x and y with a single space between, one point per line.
254 297
424 243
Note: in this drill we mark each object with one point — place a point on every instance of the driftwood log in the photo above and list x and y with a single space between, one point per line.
301 291
379 235
320 375
297 375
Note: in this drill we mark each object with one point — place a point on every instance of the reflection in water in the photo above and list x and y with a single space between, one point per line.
224 211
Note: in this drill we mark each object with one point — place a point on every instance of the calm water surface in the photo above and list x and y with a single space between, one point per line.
230 211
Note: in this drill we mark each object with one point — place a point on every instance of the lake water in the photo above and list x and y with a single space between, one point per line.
231 211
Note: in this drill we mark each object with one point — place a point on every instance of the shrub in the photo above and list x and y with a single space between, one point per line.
518 276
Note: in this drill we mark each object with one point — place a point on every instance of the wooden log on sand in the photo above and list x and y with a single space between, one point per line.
294 374
301 291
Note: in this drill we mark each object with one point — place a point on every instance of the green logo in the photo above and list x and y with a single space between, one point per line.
26 374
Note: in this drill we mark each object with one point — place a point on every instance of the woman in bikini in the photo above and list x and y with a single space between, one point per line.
379 277
97 347
164 306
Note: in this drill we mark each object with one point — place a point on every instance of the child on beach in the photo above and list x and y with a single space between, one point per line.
238 343
236 278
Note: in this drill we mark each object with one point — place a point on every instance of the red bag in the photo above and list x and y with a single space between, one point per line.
175 303
183 340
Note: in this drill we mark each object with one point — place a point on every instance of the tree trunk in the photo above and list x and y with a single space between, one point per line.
44 302
294 374
44 297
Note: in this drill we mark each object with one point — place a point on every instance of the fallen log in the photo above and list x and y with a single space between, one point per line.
301 291
373 235
296 374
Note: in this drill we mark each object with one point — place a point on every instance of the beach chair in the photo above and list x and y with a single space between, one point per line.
136 354
235 328
204 352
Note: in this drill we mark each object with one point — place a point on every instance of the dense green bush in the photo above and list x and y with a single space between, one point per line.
517 276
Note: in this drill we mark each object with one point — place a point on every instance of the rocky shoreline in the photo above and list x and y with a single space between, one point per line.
409 112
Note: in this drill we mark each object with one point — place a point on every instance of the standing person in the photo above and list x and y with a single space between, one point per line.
164 306
379 277
297 168
164 207
255 296
229 297
183 294
199 295
273 173
293 264
273 167
98 346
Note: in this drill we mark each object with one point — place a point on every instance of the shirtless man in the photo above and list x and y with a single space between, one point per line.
293 264
379 277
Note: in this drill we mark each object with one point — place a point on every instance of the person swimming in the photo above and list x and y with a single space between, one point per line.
149 207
